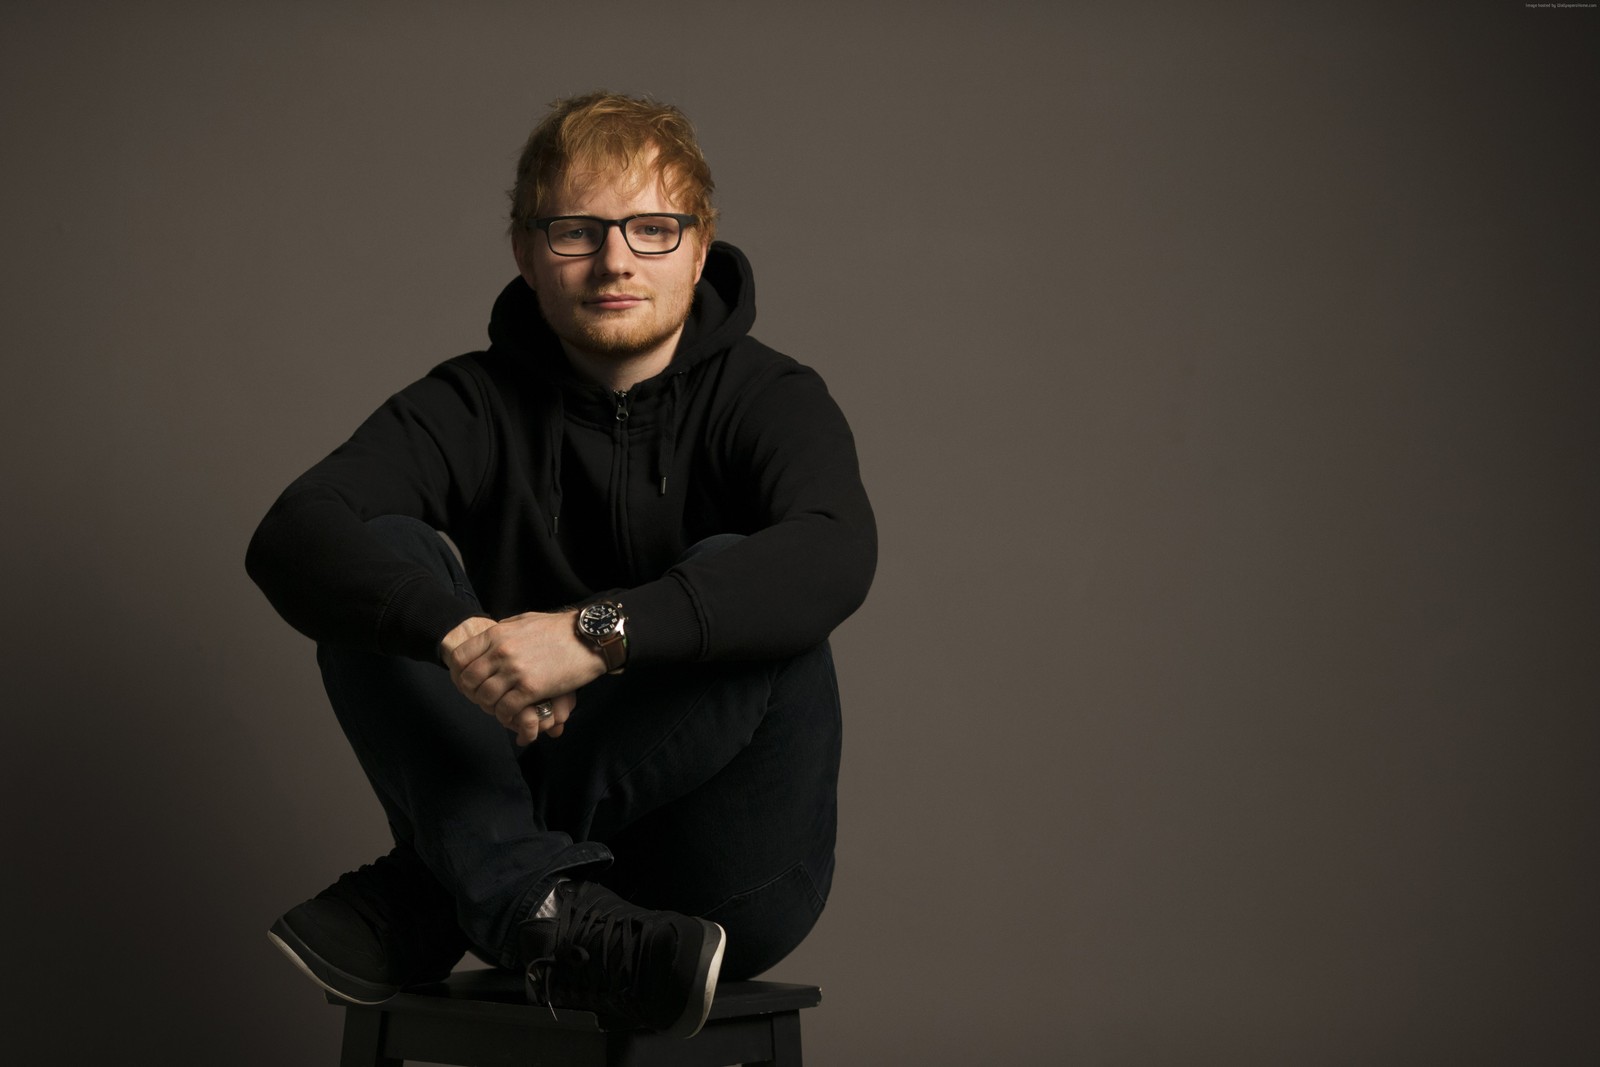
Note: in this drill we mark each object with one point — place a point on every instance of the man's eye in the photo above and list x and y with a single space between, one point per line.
576 233
649 231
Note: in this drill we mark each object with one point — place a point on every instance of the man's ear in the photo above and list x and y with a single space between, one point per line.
700 259
519 252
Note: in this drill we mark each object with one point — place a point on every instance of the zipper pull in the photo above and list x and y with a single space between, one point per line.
623 401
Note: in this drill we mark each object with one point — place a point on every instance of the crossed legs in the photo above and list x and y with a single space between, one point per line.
711 786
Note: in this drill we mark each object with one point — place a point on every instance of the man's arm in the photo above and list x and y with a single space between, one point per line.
423 454
783 588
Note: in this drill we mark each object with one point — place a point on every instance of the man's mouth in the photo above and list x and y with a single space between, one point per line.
613 301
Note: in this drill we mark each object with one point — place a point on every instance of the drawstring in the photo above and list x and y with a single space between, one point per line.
555 438
667 434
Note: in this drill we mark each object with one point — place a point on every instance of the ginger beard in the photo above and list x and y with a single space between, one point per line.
628 333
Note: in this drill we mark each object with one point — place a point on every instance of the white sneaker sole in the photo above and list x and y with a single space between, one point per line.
691 1024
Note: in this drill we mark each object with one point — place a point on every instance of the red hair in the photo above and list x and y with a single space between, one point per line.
609 132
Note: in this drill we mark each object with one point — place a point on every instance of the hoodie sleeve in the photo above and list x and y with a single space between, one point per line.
423 454
783 588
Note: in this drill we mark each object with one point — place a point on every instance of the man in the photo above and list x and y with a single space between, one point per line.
606 736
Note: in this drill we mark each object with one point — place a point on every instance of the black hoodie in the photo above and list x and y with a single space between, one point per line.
556 489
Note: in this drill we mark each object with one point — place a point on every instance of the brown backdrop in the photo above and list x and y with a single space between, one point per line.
1225 377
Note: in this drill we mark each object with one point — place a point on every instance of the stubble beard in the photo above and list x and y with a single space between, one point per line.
613 336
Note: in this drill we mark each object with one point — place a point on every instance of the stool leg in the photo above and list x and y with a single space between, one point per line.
785 1041
363 1039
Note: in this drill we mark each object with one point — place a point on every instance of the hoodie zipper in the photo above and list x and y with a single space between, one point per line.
623 400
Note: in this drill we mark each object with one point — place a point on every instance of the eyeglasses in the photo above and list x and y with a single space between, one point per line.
583 235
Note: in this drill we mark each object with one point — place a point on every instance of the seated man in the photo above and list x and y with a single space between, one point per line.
602 718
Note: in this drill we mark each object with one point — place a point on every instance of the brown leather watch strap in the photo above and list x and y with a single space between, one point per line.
614 648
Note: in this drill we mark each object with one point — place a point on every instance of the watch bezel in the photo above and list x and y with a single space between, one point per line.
591 624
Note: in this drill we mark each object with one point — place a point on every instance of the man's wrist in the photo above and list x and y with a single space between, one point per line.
467 628
603 626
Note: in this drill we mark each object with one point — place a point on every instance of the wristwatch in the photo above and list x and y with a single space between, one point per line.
603 624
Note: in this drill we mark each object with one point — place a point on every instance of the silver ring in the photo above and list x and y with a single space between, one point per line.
543 710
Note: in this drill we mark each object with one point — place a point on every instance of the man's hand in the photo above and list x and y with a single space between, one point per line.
509 667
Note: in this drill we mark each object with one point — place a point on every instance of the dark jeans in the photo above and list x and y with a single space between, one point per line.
708 789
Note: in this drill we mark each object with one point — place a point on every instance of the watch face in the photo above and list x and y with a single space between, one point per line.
599 620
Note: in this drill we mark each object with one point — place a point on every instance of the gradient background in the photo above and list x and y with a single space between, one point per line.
1225 377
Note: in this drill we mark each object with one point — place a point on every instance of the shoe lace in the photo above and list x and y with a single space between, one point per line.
597 954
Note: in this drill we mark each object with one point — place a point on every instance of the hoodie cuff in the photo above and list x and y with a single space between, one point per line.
417 617
664 623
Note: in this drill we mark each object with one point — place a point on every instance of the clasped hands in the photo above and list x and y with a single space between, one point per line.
509 667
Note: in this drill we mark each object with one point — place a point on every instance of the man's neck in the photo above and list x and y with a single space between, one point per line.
621 373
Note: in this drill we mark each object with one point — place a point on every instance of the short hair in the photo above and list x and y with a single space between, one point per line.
609 131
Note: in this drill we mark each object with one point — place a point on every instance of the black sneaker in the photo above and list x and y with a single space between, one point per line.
374 932
640 968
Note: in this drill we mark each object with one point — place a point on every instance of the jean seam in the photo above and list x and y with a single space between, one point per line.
815 898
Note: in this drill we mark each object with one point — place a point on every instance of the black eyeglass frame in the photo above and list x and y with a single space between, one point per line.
683 221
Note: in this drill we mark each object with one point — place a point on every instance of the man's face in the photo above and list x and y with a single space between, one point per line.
614 305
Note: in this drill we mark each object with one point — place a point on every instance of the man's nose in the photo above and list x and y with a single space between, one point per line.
614 257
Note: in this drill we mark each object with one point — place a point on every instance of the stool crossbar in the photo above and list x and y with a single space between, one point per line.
480 1019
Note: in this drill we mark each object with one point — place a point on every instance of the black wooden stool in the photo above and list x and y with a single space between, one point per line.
480 1019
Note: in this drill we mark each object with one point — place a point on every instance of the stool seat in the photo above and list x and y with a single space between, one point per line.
481 1018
